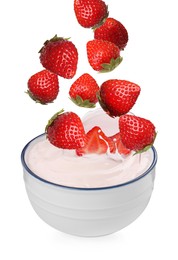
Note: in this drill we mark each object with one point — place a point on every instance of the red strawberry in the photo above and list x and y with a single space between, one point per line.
102 55
65 130
137 133
83 91
118 145
117 97
60 56
94 143
113 31
43 87
90 12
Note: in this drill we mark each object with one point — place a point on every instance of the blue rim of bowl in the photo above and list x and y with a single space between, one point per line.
82 188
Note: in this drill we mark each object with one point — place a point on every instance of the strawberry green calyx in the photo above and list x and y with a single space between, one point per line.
51 120
36 100
107 67
146 148
55 38
82 103
102 21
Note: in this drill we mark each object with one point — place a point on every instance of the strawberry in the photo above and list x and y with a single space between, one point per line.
98 143
43 87
113 31
65 130
94 143
118 145
117 97
60 56
90 12
136 133
83 91
102 55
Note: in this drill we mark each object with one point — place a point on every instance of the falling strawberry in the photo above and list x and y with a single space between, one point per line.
95 144
43 87
118 145
83 91
117 97
136 133
113 31
102 55
65 130
90 12
60 56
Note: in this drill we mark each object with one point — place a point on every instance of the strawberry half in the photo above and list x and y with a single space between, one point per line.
118 145
66 131
83 91
96 142
89 13
60 56
43 87
136 133
113 31
117 97
103 56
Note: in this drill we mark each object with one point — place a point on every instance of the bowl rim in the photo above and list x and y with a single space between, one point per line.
25 166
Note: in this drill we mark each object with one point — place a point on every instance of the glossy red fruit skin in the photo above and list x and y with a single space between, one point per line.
95 143
86 87
100 52
43 86
90 12
113 31
117 97
136 133
60 56
66 131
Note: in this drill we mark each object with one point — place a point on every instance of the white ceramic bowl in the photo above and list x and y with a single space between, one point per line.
88 211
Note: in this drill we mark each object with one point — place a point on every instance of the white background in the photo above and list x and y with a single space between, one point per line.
150 60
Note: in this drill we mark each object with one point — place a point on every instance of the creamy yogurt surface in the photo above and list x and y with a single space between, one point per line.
64 167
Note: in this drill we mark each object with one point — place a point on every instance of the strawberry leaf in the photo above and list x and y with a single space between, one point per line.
50 121
55 38
107 67
102 21
82 103
146 148
34 99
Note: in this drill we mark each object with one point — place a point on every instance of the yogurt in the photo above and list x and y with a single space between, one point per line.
65 168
